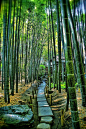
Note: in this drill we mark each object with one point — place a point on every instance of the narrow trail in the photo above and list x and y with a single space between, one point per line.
44 110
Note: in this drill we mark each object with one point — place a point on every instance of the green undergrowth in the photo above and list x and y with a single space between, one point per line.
42 66
63 85
52 85
41 70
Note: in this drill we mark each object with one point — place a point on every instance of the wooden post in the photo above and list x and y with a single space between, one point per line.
33 94
32 107
35 91
47 93
45 89
50 99
30 99
62 117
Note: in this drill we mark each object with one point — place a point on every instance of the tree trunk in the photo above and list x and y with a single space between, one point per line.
49 70
69 67
17 55
12 62
79 64
59 46
55 79
8 51
4 53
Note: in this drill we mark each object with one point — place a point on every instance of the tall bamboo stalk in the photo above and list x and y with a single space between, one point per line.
17 55
69 67
79 64
59 46
55 79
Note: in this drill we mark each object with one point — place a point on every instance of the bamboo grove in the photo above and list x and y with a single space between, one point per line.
28 30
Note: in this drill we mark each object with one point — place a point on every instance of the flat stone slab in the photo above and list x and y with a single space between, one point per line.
41 99
43 126
43 104
46 119
44 111
43 84
40 95
41 87
41 91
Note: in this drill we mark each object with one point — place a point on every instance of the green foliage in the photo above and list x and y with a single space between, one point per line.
63 85
76 84
42 66
1 66
72 3
41 70
52 85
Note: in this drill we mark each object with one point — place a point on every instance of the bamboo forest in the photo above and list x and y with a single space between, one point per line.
43 64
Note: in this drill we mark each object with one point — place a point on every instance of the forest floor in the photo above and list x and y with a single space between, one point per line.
58 102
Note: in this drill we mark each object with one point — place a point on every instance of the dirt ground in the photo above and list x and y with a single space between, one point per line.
58 103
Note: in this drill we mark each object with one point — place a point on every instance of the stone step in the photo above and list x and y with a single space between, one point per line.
43 84
46 119
43 126
40 95
40 90
44 111
43 104
41 99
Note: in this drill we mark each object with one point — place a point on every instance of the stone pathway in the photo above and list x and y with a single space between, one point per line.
44 110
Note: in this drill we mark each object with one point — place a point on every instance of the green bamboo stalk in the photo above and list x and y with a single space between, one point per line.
79 64
4 52
8 51
12 62
59 46
14 70
17 55
69 67
54 48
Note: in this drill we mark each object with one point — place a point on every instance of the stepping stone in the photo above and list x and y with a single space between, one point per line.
43 84
44 111
40 95
46 119
41 90
43 126
41 99
40 87
43 104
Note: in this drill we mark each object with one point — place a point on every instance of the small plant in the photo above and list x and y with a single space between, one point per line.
63 85
41 70
42 66
76 85
52 85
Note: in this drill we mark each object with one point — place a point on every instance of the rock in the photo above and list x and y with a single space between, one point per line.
43 104
43 126
46 119
16 115
41 99
16 119
44 111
